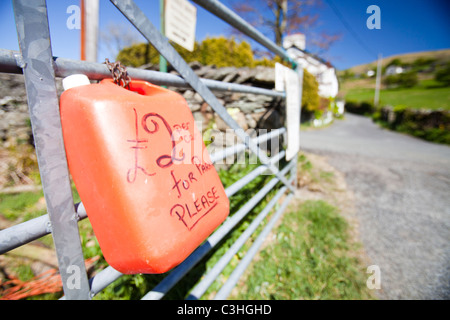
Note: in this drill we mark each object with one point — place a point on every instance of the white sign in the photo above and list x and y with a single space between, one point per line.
180 20
279 76
291 81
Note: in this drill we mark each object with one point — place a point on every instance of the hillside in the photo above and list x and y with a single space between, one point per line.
426 92
415 100
441 56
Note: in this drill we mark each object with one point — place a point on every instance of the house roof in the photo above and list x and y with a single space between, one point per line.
306 52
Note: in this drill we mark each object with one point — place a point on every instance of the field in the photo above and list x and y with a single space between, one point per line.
426 95
425 91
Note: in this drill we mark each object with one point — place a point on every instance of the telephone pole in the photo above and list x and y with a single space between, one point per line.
89 30
377 82
162 13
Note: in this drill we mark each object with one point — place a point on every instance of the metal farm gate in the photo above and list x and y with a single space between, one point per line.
39 67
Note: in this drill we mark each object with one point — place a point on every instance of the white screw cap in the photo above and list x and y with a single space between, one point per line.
75 80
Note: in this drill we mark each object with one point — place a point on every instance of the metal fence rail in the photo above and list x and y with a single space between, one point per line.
11 61
40 69
36 228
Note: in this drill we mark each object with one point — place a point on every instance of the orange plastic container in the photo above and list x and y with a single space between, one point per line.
143 173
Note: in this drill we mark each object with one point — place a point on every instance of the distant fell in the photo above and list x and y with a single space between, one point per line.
441 56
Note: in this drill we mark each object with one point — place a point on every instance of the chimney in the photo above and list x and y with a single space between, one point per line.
297 40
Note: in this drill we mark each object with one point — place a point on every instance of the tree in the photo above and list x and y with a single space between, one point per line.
219 51
137 55
224 52
310 95
280 17
422 64
402 80
443 75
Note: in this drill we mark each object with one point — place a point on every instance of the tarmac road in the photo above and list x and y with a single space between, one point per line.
402 193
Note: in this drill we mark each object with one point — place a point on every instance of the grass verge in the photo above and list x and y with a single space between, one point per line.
310 257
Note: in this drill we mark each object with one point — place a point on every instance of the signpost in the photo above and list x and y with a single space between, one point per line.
290 81
180 19
162 60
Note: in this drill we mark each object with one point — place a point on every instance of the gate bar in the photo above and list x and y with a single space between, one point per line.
168 282
39 67
109 275
229 16
10 62
232 150
212 275
34 41
137 18
223 293
238 185
25 232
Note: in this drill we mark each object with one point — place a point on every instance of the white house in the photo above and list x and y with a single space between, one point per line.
370 73
321 69
391 70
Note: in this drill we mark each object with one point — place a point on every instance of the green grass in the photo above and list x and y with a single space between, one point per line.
427 95
310 258
134 287
21 205
314 231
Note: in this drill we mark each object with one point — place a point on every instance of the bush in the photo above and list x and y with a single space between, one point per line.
408 79
310 94
443 75
431 125
423 64
390 81
220 51
346 75
138 55
224 52
402 80
362 108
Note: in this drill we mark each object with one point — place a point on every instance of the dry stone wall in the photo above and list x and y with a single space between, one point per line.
251 111
254 113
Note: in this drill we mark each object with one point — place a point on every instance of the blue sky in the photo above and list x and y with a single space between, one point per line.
406 26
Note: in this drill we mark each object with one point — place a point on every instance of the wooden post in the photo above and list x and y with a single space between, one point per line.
376 99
